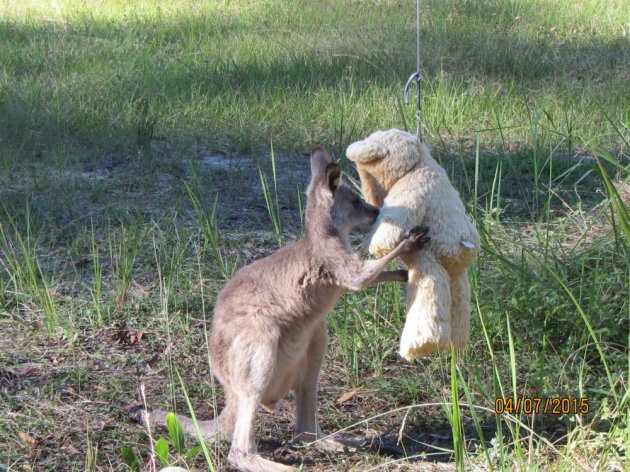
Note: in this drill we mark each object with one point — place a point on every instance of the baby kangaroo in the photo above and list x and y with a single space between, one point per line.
269 325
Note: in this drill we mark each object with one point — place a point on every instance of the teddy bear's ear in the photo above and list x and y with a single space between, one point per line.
332 177
366 151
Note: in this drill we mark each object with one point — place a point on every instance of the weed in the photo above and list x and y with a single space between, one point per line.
21 263
124 246
207 220
271 201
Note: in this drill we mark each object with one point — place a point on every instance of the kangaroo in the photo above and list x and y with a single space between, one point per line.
269 325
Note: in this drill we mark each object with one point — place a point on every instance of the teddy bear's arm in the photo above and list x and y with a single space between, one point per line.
395 220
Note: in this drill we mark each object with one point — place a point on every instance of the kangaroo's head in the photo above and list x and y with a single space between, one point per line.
332 205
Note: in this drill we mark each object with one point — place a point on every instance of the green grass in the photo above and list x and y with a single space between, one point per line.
148 152
101 79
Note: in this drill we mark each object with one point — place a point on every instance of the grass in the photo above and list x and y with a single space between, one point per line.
187 71
137 173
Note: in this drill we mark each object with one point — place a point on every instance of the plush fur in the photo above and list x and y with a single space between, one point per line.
399 175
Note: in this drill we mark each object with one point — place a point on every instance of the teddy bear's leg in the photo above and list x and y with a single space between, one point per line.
428 324
460 309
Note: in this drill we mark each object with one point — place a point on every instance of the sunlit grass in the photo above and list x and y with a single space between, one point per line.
111 75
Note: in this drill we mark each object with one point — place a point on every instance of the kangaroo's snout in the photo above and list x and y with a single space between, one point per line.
364 214
372 213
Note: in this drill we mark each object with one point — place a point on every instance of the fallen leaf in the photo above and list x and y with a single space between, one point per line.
70 449
26 438
553 29
98 425
370 433
126 336
122 333
135 337
55 293
25 371
348 395
154 358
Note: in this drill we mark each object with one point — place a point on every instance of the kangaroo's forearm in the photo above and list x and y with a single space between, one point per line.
391 276
371 271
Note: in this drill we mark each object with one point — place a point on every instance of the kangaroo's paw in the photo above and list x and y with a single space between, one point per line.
255 463
328 443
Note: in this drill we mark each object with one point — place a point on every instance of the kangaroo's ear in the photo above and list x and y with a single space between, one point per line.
319 160
332 177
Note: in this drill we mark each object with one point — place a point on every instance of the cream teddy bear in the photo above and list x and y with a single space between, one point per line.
399 175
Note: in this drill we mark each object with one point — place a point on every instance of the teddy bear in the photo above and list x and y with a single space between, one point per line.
399 175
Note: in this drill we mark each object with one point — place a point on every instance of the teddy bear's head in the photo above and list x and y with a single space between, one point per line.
382 159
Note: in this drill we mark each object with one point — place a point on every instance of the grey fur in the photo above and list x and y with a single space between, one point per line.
269 326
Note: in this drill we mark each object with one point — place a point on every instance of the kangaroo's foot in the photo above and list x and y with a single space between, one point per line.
255 463
327 443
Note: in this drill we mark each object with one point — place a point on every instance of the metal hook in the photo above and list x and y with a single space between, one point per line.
418 77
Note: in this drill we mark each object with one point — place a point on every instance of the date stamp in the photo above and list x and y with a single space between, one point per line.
537 405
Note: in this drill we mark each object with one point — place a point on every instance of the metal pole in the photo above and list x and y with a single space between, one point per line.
419 75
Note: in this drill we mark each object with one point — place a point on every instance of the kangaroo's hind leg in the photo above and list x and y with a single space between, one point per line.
250 377
306 426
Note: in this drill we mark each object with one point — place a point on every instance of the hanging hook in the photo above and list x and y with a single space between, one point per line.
416 77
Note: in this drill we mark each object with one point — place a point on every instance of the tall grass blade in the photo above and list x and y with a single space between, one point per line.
613 195
273 207
591 331
200 437
207 219
475 418
22 265
455 417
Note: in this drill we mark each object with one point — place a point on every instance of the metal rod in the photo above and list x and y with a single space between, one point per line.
419 75
416 77
418 35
